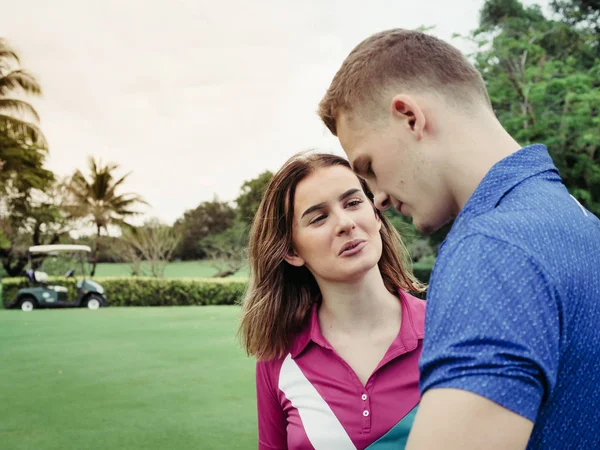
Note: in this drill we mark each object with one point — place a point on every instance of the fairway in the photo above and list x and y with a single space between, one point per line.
125 378
178 269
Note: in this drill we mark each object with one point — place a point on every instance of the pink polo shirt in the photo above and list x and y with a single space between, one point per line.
312 399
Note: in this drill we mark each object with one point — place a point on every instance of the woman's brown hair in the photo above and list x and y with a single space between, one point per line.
279 296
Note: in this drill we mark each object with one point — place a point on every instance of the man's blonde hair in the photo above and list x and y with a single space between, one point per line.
400 59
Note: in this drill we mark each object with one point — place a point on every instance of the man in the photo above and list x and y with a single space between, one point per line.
511 357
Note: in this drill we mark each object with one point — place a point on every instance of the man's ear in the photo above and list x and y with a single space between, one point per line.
293 259
406 108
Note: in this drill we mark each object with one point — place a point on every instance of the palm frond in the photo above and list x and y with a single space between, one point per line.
6 51
121 204
116 184
12 105
123 224
19 80
92 165
21 129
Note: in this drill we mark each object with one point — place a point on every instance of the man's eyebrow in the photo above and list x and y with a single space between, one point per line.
318 206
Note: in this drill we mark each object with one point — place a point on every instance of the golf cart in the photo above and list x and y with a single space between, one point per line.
42 294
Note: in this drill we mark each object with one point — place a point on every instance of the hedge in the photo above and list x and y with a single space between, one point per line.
147 291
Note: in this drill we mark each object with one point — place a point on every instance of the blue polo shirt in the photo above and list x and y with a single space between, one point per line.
513 311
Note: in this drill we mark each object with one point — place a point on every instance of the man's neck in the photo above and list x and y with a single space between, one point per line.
476 151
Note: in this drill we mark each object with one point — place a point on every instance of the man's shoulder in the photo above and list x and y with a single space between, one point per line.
476 241
534 228
484 260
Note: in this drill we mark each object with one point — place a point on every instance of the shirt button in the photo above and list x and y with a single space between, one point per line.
365 413
364 396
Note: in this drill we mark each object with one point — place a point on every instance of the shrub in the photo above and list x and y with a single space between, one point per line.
147 291
142 291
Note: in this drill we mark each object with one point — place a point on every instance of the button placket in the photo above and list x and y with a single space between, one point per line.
366 412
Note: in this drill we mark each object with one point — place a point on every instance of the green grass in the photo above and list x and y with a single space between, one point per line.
125 378
179 269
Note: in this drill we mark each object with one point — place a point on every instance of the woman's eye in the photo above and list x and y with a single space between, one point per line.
318 219
354 203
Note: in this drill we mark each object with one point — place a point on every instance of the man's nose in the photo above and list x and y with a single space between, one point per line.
382 201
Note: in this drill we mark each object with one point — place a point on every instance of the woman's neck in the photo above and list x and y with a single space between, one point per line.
358 307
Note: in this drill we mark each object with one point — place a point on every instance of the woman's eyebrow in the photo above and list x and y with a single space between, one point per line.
318 206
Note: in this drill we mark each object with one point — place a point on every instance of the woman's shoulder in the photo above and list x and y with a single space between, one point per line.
271 365
268 372
416 308
415 302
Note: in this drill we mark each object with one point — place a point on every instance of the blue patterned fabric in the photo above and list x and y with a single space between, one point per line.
513 311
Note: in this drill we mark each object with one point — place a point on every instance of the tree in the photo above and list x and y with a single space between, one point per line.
21 167
26 213
543 76
579 12
154 241
227 249
18 119
25 219
206 219
250 196
95 198
494 12
121 250
47 220
13 248
36 219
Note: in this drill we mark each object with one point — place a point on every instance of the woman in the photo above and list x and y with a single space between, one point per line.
327 314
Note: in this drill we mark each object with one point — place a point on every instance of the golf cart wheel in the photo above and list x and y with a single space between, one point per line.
94 302
27 304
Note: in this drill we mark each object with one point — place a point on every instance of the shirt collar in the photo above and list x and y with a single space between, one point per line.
505 175
411 328
310 332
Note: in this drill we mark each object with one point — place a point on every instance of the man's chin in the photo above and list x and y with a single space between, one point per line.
426 228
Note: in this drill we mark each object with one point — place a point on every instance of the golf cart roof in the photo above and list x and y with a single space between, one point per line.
51 249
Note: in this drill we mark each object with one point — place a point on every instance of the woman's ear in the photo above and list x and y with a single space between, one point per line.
294 259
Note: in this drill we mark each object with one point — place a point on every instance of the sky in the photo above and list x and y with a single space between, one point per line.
194 97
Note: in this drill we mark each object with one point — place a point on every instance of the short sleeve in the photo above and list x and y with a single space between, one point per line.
492 325
272 422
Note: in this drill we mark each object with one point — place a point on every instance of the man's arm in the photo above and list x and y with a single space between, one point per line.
491 349
450 419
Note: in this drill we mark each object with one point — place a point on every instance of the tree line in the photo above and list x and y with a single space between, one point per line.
542 72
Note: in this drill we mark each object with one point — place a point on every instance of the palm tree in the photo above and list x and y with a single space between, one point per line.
18 118
95 198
